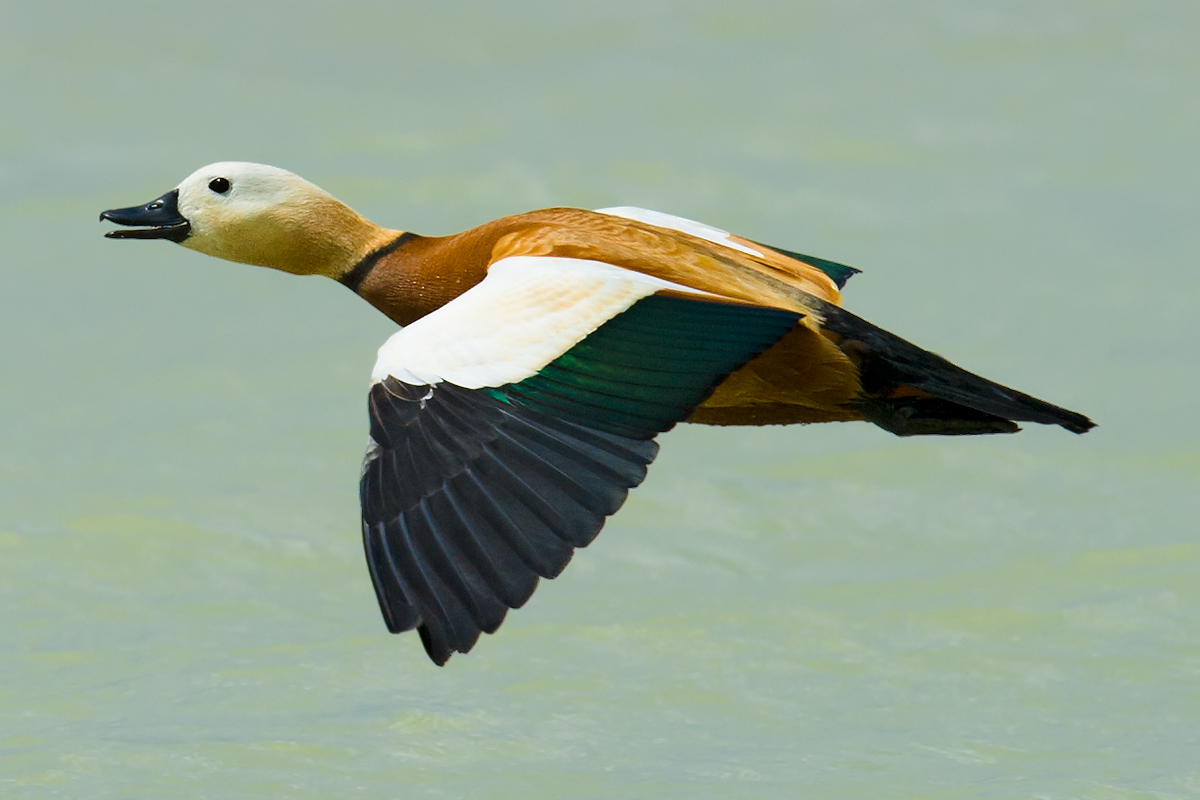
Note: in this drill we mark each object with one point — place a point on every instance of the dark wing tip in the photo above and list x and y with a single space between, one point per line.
438 655
887 361
1076 423
838 273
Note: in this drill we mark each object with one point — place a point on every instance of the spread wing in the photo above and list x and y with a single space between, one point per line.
509 424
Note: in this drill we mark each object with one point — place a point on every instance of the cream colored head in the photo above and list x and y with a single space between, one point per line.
256 214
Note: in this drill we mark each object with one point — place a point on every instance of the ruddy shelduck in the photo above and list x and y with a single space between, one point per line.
538 357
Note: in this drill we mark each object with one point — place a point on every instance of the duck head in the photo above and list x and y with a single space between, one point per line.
255 214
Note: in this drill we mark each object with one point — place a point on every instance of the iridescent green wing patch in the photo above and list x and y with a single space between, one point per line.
651 366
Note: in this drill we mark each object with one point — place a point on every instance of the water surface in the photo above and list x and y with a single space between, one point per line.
806 612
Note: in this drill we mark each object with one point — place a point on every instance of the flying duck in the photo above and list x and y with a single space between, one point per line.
538 357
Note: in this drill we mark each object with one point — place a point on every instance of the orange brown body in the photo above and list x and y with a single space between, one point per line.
804 378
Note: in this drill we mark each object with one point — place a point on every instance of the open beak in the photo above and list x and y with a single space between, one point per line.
158 219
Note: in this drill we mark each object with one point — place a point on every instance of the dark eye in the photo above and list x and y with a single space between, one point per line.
219 185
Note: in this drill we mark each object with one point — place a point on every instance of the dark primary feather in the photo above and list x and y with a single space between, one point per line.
962 402
470 496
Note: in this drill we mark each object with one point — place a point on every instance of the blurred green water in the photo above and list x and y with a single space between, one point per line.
826 612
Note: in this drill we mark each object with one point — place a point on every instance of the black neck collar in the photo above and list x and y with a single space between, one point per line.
354 278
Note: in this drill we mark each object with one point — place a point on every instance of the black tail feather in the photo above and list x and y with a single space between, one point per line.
931 416
962 402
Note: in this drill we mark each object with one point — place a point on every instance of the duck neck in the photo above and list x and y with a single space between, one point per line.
321 237
354 276
411 276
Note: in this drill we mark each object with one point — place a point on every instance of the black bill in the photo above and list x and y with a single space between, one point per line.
158 219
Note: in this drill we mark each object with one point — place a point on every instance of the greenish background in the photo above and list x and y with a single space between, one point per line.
824 612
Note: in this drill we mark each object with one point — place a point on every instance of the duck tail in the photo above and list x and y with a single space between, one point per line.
913 392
